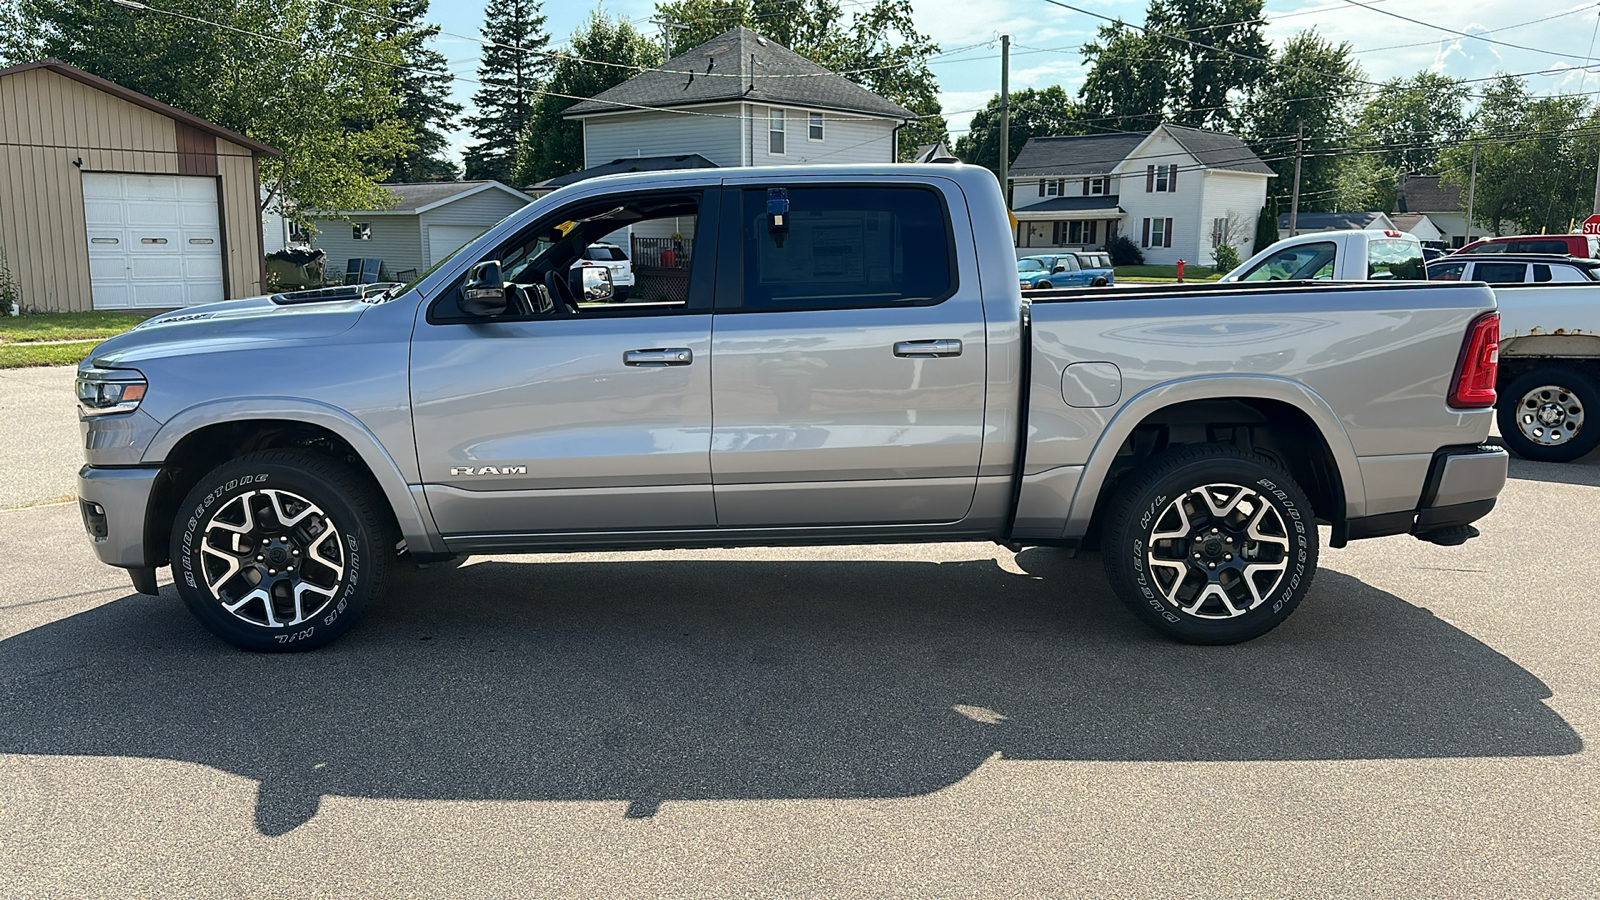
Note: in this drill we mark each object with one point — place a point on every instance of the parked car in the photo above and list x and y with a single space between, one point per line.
1097 265
1059 270
1508 268
1336 256
848 363
1586 246
613 258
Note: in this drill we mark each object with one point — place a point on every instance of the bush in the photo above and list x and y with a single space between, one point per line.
1227 258
1124 252
10 297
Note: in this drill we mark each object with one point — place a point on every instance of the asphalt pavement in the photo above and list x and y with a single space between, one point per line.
39 445
949 720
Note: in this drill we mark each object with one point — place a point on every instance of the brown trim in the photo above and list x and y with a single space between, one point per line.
138 99
197 150
261 237
222 236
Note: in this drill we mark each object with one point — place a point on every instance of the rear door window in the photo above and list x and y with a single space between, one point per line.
1446 271
846 247
1501 273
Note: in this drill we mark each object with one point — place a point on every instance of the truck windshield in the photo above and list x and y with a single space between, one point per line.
1395 259
1307 261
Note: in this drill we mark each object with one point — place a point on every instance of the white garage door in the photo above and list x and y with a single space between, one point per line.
154 240
444 240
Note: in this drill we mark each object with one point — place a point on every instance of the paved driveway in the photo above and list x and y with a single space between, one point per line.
40 451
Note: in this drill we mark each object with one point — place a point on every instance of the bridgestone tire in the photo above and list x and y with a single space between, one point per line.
321 528
1510 410
1268 519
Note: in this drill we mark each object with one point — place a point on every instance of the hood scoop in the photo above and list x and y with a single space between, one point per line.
339 292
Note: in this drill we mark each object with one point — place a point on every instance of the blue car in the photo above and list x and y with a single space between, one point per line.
1079 269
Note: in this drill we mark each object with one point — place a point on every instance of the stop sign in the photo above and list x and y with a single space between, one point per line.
1591 225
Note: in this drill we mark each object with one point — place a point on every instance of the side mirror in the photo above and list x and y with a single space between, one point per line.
484 293
1059 270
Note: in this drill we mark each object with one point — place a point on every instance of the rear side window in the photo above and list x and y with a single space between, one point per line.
1568 274
1393 259
605 254
1545 246
1305 261
1501 273
1446 271
845 248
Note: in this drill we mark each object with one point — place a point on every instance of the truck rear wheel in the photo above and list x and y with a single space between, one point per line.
1542 414
280 550
1209 545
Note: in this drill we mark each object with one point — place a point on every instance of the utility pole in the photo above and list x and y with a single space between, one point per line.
1005 117
1597 188
1299 151
1472 191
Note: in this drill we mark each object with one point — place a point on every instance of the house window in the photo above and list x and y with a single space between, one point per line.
814 127
1157 233
1219 231
775 132
1161 179
1075 233
1163 183
1053 189
1097 186
361 231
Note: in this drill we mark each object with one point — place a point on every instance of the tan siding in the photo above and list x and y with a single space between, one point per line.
58 120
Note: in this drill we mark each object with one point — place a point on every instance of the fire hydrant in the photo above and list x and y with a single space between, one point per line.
1180 270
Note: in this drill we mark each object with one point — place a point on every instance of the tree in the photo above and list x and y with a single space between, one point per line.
878 47
1034 113
423 88
19 41
1312 83
1126 87
1222 54
1408 120
1536 158
289 73
1365 182
513 69
604 53
1266 227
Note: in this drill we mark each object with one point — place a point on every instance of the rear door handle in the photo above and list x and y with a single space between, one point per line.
928 349
661 356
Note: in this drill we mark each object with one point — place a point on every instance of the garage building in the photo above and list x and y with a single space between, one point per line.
110 199
428 222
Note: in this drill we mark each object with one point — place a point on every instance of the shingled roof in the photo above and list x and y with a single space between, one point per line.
739 65
1424 194
1098 154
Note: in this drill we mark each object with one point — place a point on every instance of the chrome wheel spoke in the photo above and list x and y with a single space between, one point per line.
255 553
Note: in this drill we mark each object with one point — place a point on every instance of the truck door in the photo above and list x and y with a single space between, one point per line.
569 412
848 354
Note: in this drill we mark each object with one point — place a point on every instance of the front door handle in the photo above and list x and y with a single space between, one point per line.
927 349
660 356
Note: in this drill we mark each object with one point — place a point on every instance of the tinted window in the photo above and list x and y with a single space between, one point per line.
1500 273
605 254
1541 272
1295 263
1546 246
1446 271
846 247
1395 259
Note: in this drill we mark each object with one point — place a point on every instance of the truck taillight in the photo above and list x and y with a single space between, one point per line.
1479 364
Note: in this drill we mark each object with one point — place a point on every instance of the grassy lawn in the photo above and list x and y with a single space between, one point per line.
65 326
1166 273
17 356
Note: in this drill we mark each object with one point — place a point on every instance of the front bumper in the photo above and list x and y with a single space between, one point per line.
115 503
1462 485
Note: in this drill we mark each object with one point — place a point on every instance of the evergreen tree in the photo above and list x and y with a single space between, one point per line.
1266 227
423 87
513 71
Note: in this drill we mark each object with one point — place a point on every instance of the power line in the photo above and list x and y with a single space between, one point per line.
1468 34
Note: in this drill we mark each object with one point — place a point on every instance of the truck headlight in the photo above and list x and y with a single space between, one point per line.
103 392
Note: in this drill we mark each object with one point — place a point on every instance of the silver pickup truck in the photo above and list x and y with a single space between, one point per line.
809 355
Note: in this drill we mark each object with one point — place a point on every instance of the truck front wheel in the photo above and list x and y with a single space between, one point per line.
1542 414
280 550
1209 545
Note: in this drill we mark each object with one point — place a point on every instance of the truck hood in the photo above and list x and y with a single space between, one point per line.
248 321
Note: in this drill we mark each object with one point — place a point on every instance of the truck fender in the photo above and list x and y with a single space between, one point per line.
416 526
1215 387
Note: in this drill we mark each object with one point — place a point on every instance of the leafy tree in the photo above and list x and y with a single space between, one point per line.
19 42
878 46
1202 81
1408 118
1365 182
292 74
552 145
1536 159
1312 83
1126 88
514 67
423 87
1034 113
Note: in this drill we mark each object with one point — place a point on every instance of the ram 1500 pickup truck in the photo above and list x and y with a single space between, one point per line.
1373 255
830 355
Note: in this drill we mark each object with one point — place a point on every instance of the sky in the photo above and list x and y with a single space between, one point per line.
1045 39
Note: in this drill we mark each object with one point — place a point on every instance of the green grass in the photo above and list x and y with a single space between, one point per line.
1166 273
17 356
65 326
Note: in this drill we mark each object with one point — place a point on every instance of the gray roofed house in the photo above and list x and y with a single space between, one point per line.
1308 222
1176 192
1445 206
428 221
740 99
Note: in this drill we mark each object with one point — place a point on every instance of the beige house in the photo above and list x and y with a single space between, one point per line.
113 200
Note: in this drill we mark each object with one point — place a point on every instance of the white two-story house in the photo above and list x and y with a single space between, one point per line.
1176 192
